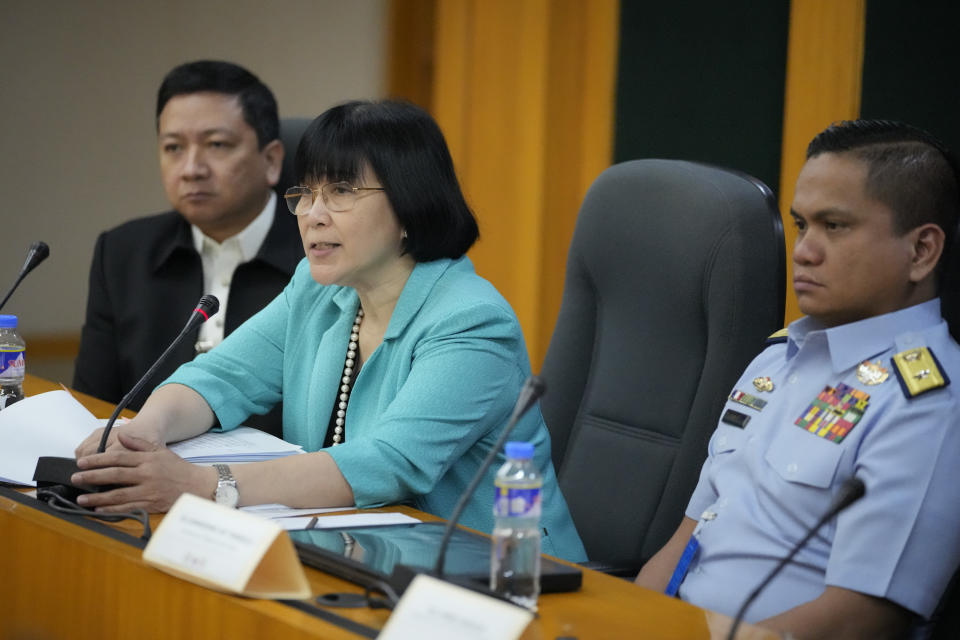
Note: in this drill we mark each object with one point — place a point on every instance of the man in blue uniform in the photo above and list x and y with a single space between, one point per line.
860 387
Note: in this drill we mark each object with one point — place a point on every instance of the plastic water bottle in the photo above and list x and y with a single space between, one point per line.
12 348
515 556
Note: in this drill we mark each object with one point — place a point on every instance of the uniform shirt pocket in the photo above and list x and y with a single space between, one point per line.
801 457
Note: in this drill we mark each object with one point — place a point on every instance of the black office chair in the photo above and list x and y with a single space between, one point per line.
291 130
675 276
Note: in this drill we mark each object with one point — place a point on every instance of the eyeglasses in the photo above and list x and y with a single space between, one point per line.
337 196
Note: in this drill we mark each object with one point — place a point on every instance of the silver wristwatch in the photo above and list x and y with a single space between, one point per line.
226 493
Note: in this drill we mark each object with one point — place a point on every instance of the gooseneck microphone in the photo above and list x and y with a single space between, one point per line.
206 307
851 491
38 252
55 472
533 388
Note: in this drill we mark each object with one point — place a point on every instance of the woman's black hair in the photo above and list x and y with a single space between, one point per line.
406 150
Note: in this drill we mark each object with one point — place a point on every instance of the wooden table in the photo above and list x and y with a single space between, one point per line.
61 579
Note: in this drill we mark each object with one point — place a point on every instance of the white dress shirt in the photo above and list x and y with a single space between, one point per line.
220 260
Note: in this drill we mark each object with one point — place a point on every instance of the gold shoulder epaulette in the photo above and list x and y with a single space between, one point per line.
776 338
918 371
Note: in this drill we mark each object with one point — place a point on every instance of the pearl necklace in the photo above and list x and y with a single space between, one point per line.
345 381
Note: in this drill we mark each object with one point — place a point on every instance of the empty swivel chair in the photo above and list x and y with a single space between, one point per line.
674 278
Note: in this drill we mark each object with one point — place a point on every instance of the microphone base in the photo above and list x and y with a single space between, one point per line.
403 575
53 474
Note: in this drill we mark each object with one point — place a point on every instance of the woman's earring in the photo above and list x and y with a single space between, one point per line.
403 234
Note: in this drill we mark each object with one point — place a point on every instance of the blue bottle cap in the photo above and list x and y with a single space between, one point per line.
8 322
519 450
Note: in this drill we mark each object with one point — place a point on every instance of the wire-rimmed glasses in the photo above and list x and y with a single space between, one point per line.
337 196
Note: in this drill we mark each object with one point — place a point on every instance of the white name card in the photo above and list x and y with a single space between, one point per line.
434 610
226 549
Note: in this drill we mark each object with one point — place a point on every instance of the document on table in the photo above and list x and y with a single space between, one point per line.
346 521
54 423
243 444
291 519
274 511
48 424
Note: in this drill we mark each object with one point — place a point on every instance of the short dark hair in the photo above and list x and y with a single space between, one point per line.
908 170
405 148
257 101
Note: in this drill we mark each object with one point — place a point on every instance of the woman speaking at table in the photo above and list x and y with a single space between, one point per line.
398 366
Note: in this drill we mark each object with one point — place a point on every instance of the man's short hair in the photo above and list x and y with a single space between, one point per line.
406 150
257 101
908 170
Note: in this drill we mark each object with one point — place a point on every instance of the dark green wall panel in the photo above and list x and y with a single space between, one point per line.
703 80
911 65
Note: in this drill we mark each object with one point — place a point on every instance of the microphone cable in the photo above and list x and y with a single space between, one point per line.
61 505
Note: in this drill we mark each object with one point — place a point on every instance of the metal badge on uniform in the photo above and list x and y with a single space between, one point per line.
763 383
835 412
747 400
872 372
918 371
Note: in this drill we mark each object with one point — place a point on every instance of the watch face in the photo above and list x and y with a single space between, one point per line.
227 495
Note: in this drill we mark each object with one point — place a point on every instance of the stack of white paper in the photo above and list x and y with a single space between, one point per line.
243 444
291 519
54 423
48 424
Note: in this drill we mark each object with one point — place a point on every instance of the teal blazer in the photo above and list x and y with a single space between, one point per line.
426 407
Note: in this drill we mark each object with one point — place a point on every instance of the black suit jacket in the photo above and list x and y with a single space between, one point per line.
145 280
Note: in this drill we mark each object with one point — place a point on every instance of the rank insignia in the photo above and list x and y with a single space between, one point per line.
777 338
835 412
748 400
763 383
918 371
872 372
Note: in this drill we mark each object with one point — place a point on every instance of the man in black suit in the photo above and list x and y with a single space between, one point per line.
229 234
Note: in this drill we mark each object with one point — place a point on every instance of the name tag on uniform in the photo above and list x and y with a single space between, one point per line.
735 418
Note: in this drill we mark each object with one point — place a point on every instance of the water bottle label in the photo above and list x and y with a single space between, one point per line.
522 502
11 364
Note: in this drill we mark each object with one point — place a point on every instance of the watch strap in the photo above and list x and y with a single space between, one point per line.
224 479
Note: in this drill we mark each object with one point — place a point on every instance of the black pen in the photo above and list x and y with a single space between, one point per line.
312 523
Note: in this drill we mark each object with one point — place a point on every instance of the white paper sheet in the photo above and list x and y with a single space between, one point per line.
283 511
343 522
47 424
54 423
243 444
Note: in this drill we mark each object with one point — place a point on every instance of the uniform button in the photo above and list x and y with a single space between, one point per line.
225 282
749 439
792 379
908 339
219 323
722 440
792 468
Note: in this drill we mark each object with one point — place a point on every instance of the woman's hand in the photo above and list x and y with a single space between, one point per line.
150 476
133 427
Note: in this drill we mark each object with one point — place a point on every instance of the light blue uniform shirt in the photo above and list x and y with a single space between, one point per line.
764 485
426 407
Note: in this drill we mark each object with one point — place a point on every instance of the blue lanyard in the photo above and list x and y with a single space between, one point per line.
682 566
